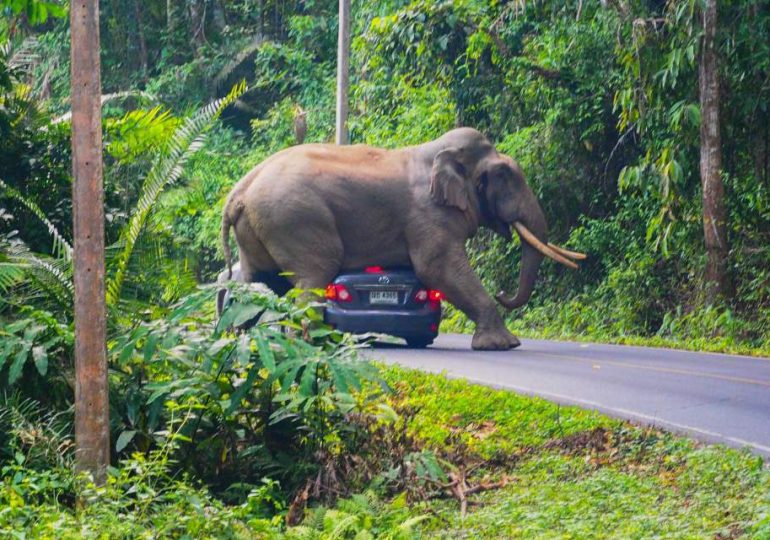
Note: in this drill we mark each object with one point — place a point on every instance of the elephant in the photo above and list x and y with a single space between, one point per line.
312 211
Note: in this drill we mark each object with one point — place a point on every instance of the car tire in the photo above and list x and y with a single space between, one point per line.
419 342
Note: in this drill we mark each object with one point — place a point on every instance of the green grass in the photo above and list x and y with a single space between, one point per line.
578 474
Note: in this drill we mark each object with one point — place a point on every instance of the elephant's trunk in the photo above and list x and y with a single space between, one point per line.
530 258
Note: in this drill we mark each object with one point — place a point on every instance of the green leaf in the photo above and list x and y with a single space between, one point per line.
8 344
40 356
240 392
123 439
14 372
308 380
243 350
246 313
265 353
149 346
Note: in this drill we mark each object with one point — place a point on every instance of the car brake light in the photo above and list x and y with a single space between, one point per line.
342 294
435 296
337 292
373 270
421 296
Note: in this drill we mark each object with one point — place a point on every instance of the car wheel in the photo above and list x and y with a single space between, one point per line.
419 342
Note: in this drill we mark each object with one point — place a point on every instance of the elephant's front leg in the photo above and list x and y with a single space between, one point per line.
450 271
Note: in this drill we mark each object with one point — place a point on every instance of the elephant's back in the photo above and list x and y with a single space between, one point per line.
324 168
360 193
357 162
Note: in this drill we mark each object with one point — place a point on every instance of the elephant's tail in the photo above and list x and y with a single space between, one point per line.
226 224
229 217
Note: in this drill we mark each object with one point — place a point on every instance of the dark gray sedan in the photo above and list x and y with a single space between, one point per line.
387 301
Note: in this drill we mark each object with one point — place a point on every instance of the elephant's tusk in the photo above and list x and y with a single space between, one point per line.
532 240
567 253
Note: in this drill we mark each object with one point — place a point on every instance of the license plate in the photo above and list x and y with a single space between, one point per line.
383 297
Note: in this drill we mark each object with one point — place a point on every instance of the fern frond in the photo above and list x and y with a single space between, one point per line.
342 524
408 525
185 142
61 248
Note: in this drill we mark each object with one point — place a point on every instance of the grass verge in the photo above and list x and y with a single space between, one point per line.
578 474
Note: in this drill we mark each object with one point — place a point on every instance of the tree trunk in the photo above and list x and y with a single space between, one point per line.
171 15
262 17
92 410
143 56
197 13
218 18
714 214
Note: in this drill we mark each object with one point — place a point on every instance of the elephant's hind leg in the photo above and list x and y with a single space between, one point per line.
277 282
307 266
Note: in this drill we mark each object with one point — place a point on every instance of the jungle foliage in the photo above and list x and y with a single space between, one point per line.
221 433
597 100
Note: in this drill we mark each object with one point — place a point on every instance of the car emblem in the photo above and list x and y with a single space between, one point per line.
384 280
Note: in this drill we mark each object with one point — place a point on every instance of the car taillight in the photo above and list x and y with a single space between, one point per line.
435 296
331 292
424 295
373 269
338 293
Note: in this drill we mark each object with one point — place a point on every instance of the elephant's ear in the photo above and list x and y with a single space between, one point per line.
448 182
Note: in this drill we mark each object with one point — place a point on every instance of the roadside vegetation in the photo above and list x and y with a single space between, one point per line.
427 457
282 431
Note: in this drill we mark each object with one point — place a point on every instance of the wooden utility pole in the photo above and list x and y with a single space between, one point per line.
714 213
343 72
92 414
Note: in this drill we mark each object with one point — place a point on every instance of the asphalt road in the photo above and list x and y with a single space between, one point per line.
711 397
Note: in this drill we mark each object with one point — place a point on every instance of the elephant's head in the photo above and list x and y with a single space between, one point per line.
489 188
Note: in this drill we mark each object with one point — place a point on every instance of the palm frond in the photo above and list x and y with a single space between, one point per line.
61 248
11 274
66 117
53 273
51 278
242 56
185 142
24 56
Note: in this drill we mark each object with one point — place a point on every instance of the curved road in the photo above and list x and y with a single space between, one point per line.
712 397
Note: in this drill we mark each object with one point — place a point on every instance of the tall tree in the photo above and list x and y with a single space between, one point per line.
92 419
714 213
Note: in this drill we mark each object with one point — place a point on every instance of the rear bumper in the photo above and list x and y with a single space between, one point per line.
404 324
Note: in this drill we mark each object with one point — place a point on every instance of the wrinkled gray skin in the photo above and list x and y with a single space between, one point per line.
316 210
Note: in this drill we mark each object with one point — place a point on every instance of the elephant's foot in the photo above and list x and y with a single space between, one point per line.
494 340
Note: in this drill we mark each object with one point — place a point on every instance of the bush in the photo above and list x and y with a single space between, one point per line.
242 405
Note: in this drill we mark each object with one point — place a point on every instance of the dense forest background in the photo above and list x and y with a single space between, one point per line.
598 101
221 434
